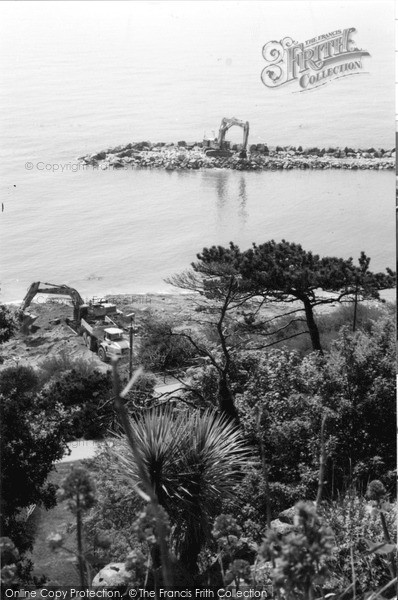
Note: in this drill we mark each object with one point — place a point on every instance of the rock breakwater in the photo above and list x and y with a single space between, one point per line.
191 156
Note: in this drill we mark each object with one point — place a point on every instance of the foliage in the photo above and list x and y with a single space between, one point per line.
19 379
300 557
16 569
78 490
355 525
192 460
329 325
203 383
362 369
354 386
30 443
9 323
115 511
53 366
159 350
377 494
285 272
9 557
328 552
82 402
284 269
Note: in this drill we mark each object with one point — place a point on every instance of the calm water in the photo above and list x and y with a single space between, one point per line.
79 77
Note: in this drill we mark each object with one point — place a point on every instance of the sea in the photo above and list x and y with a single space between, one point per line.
79 77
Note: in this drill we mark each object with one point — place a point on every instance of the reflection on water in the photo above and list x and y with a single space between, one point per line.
242 200
221 189
231 194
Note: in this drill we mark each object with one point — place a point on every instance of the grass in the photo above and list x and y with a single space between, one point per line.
56 566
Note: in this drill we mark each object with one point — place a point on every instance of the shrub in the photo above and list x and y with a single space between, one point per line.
300 557
30 444
159 350
193 460
329 325
83 403
18 379
53 366
281 400
353 522
9 323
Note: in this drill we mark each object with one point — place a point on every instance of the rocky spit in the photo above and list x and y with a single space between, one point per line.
185 156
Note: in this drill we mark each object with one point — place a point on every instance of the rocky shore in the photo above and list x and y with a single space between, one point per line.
184 156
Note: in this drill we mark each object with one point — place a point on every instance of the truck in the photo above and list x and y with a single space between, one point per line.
101 335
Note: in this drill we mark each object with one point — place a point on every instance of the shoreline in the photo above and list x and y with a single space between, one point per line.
53 336
260 157
388 295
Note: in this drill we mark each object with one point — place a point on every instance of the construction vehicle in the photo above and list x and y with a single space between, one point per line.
50 288
220 147
107 341
80 308
93 320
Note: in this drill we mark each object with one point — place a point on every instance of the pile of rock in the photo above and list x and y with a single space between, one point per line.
185 156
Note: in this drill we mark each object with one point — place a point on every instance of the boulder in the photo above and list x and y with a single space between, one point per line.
287 516
116 149
99 156
281 527
112 575
141 146
128 152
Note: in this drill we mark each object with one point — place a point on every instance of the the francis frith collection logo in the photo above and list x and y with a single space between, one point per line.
312 63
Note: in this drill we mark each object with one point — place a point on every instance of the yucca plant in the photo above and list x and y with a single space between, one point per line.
193 460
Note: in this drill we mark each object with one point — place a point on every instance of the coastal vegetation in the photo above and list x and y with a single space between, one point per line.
8 323
272 468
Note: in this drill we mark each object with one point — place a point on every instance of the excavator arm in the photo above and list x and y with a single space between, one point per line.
227 124
50 288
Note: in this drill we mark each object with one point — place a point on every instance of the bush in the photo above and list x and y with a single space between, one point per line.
83 403
354 385
250 501
18 379
329 325
352 523
52 367
161 351
9 323
30 444
192 459
300 557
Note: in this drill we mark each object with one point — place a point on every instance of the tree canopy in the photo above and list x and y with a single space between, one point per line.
285 272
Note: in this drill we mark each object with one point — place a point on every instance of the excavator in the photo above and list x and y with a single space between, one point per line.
220 147
80 308
50 288
94 321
